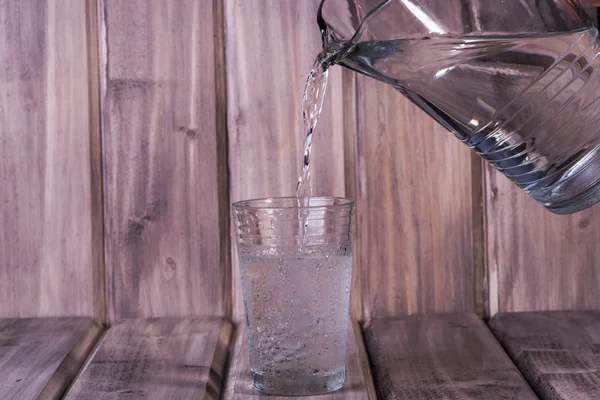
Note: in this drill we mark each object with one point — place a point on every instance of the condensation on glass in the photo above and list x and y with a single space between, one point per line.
296 268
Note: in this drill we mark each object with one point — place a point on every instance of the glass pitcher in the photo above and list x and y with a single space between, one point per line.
515 80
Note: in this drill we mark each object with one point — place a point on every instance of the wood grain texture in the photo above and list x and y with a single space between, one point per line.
39 357
162 204
358 383
160 358
447 356
538 260
414 206
557 352
271 46
46 236
413 209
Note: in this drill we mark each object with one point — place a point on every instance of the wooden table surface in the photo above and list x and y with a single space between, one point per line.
39 357
358 384
447 356
443 356
558 352
160 358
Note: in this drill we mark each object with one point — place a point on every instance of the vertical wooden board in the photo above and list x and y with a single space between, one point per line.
271 47
538 260
46 242
414 205
160 157
413 209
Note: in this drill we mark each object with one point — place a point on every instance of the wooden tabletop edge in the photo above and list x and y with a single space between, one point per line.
365 365
74 362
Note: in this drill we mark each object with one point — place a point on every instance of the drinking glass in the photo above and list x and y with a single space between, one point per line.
296 267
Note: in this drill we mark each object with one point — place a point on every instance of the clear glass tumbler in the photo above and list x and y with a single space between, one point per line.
296 266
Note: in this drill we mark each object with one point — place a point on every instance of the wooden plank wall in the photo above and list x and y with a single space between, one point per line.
128 127
161 165
414 206
413 237
413 209
50 241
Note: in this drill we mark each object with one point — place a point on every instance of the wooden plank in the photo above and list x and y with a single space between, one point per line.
271 46
39 357
160 358
414 217
358 383
164 255
46 199
538 260
556 351
413 203
448 356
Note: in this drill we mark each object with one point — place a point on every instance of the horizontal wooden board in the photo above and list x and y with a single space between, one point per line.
39 357
448 356
160 358
558 352
358 384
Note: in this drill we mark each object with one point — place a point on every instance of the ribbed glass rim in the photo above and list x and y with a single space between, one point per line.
291 203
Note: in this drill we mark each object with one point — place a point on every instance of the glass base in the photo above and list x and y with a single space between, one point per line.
298 383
